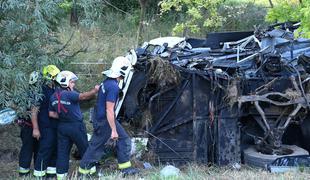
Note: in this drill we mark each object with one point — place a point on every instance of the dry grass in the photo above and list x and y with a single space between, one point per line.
187 172
163 74
10 143
9 147
292 94
232 93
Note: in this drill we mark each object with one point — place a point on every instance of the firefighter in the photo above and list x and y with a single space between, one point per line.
64 105
106 128
45 128
30 144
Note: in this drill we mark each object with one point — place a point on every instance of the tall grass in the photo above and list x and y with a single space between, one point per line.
115 35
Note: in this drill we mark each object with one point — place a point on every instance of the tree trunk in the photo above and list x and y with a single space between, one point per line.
142 16
74 16
271 4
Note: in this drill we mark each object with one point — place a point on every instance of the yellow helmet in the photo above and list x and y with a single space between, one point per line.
50 72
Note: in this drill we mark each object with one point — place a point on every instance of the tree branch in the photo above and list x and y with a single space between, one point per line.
271 4
78 51
117 8
65 45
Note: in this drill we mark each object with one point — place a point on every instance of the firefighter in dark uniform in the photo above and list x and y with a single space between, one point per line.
64 105
106 128
45 128
30 144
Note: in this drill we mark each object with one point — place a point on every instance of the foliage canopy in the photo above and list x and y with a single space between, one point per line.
29 41
198 14
292 10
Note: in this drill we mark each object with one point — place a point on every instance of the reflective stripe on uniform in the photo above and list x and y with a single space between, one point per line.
62 176
39 173
88 137
124 165
51 170
92 170
83 171
23 170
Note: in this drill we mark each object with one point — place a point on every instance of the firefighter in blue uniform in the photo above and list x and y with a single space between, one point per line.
45 128
30 144
106 128
64 105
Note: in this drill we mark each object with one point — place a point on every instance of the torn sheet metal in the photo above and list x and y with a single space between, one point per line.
289 163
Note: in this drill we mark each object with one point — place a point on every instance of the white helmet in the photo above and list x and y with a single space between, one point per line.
119 67
33 77
63 78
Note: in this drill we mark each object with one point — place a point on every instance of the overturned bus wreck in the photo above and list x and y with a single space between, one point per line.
232 97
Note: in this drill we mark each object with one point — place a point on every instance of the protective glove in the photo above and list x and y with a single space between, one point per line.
110 145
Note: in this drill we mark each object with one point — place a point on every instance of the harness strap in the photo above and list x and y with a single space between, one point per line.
60 106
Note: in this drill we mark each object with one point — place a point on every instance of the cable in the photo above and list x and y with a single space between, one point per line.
166 146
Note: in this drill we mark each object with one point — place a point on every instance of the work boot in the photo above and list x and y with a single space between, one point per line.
129 171
23 172
87 173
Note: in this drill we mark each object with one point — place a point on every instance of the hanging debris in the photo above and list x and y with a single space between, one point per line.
162 73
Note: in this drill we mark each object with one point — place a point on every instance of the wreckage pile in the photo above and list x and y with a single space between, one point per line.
213 99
